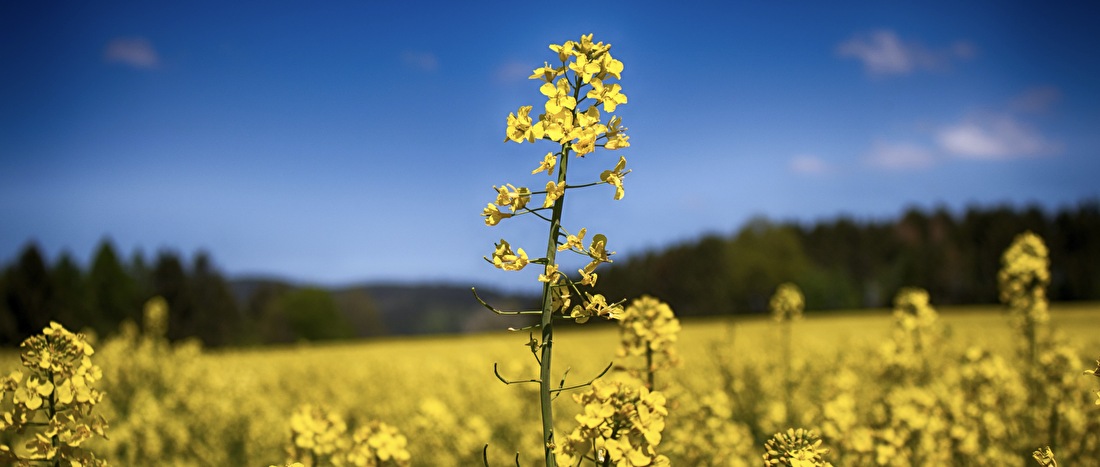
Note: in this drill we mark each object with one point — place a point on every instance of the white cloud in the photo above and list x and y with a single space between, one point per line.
994 137
808 164
423 61
1036 100
899 156
884 53
137 52
512 72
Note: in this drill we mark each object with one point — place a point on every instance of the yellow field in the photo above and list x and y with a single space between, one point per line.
184 406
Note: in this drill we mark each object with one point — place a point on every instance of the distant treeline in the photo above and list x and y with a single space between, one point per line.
845 263
841 263
202 303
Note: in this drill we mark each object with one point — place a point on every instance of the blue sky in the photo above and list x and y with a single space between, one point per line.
342 142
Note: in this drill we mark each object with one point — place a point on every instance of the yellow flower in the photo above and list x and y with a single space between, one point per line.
493 216
609 66
564 51
588 277
584 68
589 117
515 198
586 141
609 96
547 165
559 295
558 96
598 250
504 258
615 177
550 275
574 242
547 73
616 142
553 192
585 46
519 127
556 126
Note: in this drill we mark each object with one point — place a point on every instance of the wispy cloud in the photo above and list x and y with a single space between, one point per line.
994 137
512 72
136 52
423 61
884 53
899 156
1036 100
808 164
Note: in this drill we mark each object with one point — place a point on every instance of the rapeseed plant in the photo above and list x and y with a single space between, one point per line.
796 448
583 71
786 306
54 399
648 328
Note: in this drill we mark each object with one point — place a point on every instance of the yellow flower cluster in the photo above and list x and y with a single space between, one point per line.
591 65
1023 278
648 328
795 448
55 397
916 333
584 72
319 437
787 303
620 424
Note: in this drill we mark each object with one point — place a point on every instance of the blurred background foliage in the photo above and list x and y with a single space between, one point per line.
839 263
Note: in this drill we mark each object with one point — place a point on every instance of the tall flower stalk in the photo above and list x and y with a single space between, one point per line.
583 71
786 307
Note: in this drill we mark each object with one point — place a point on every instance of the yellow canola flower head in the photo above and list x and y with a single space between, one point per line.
615 176
564 51
547 73
519 125
585 68
504 258
493 215
610 96
787 302
558 96
156 316
554 190
586 142
574 242
609 66
549 161
557 126
514 198
795 448
587 276
550 274
598 249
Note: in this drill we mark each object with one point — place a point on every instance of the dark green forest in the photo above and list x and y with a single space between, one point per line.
848 263
839 263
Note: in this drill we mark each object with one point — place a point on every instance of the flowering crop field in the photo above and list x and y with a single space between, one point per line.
180 405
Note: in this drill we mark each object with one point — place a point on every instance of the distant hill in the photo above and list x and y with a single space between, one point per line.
404 308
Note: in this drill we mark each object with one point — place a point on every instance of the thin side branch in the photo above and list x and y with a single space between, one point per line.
501 378
589 383
501 312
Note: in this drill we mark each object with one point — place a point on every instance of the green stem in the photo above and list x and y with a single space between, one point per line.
547 323
787 369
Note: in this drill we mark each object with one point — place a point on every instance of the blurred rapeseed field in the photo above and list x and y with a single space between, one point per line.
179 405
